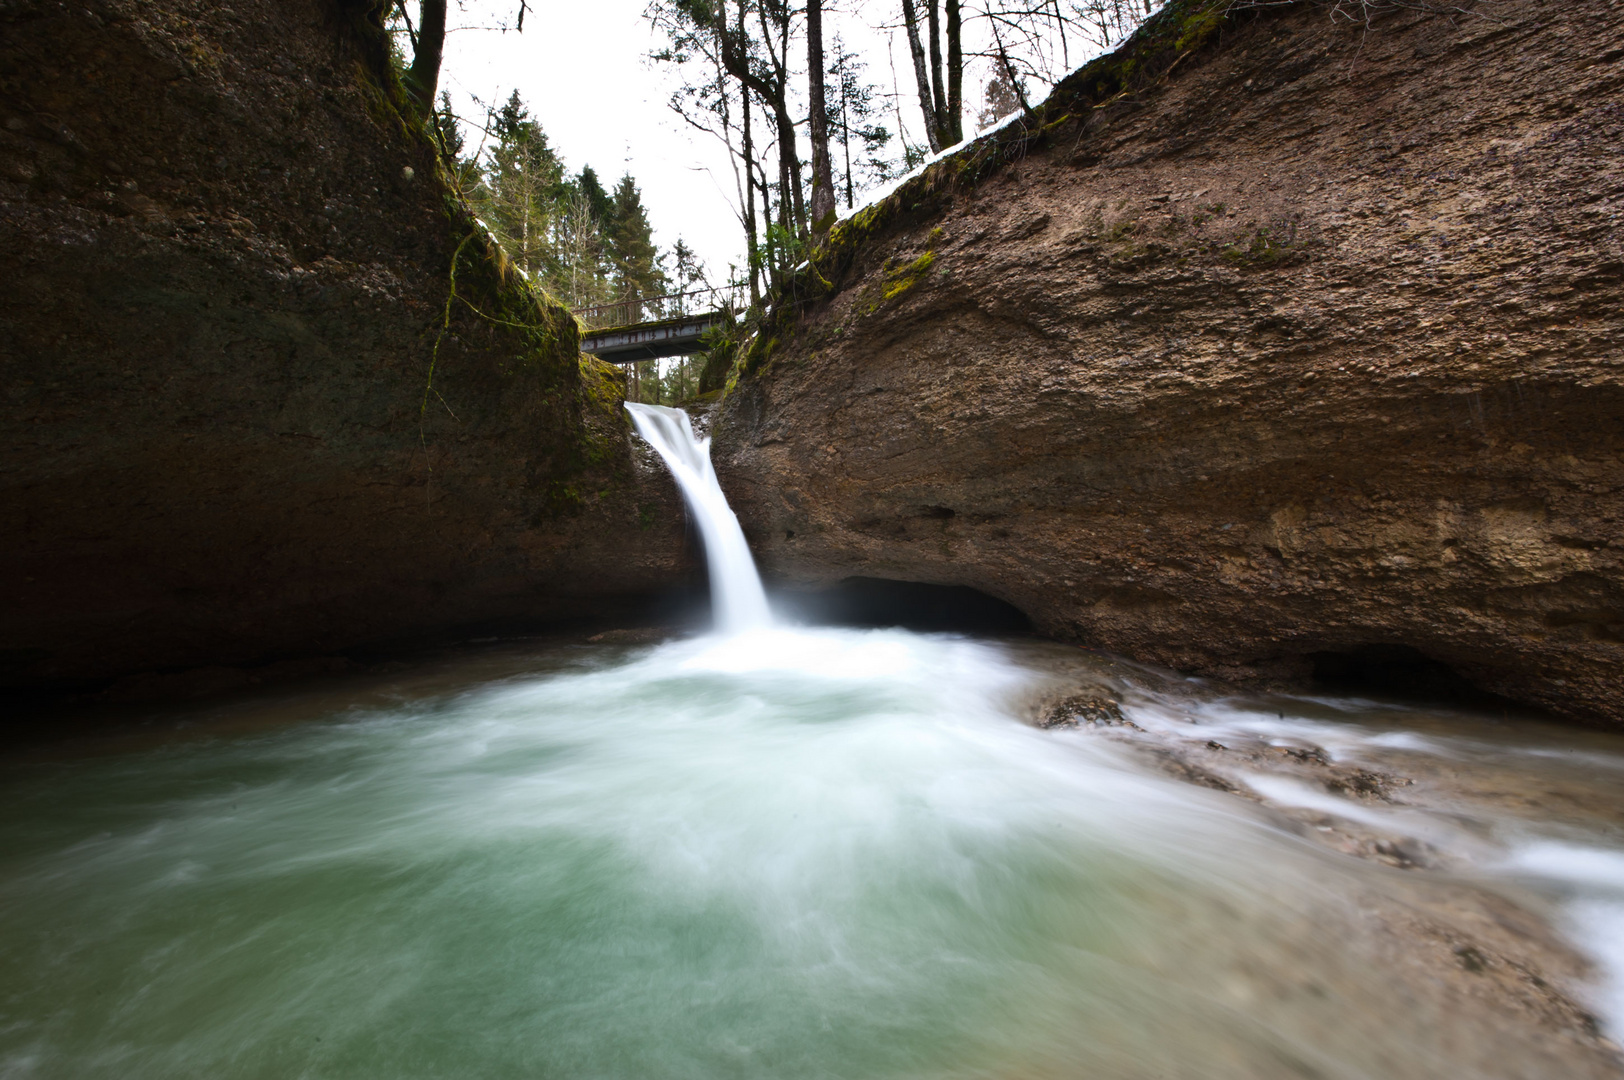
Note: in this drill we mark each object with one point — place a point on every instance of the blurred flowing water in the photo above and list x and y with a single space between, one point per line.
794 853
737 599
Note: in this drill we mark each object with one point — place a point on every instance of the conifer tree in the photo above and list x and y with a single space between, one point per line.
634 259
596 197
523 183
687 274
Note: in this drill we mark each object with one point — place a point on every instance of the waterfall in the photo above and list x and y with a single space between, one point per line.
737 598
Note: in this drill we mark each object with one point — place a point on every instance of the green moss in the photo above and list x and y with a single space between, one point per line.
904 278
1121 230
755 358
1268 245
562 498
602 383
1199 24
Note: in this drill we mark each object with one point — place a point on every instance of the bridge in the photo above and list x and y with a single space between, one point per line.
657 326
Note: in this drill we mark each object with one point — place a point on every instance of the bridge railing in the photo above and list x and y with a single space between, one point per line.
656 308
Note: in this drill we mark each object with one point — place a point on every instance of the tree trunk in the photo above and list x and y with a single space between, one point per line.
845 134
784 185
938 94
927 103
786 126
823 188
752 252
791 167
770 249
955 75
423 78
772 94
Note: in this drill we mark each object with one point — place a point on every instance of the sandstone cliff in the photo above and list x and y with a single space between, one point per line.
228 260
1265 340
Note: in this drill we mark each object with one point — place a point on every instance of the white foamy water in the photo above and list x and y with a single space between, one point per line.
1590 880
737 598
789 853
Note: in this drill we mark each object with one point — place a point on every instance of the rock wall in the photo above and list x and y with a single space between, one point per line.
227 259
1268 338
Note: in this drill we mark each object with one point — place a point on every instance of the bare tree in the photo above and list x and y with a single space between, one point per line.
927 99
941 98
580 249
749 42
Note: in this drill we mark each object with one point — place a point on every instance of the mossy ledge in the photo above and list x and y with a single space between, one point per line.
1172 38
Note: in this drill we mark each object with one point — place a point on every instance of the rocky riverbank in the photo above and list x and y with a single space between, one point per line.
1450 800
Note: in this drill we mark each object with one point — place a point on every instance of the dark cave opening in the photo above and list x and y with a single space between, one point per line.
911 605
1401 671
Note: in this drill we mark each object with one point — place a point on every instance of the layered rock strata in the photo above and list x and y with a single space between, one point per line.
1308 345
246 412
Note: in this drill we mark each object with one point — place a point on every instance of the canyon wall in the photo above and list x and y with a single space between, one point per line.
1268 343
246 414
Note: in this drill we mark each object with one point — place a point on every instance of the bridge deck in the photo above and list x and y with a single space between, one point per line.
651 340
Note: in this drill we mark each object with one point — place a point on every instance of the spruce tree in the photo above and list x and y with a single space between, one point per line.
630 242
523 183
596 197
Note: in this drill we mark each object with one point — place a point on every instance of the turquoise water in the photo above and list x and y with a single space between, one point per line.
793 854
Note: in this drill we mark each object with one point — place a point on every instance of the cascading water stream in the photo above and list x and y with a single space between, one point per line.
737 598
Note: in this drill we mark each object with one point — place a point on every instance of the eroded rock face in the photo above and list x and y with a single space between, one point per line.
1313 346
227 266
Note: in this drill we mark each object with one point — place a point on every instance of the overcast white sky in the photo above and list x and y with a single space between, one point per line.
582 68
